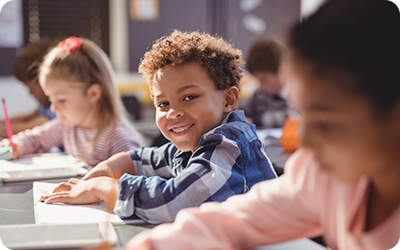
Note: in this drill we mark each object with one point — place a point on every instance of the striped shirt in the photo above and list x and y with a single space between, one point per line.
76 140
230 159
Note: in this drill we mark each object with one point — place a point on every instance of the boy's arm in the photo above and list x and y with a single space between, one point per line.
211 175
114 167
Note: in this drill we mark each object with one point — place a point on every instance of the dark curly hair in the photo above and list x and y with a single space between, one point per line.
26 66
222 62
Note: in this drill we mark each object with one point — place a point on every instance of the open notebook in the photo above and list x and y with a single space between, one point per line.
39 167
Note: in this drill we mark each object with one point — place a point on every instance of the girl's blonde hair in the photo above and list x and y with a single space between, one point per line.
83 66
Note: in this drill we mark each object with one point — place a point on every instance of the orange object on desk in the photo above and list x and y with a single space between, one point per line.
291 133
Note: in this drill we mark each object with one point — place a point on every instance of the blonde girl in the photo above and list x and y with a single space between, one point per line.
91 125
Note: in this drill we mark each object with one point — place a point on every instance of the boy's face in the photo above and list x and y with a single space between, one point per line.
270 83
187 103
340 127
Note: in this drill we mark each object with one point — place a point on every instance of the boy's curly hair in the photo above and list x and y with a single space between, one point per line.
222 62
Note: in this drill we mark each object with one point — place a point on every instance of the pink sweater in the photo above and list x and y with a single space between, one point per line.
304 202
76 141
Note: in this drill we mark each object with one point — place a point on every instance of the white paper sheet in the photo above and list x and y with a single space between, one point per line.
61 213
40 161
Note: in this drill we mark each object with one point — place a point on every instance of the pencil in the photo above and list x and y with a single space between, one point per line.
7 120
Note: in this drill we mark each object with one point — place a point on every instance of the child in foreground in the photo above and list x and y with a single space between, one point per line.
267 107
77 77
344 182
26 70
213 153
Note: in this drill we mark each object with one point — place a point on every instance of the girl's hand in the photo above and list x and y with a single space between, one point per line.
16 150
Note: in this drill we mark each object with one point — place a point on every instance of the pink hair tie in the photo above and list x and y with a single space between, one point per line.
71 43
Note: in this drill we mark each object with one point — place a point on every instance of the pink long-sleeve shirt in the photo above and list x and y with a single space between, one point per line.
304 202
76 140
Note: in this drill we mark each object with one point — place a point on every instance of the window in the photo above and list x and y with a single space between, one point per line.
60 19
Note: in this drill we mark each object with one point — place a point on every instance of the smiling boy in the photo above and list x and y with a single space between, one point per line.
213 153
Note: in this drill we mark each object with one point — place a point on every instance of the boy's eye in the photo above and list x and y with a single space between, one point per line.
163 104
189 97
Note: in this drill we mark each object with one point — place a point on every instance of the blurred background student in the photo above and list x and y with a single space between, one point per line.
267 107
26 70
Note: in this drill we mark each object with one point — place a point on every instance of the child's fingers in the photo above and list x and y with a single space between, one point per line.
73 181
5 143
62 187
58 198
16 151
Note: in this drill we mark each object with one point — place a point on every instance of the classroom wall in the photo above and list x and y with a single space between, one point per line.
241 22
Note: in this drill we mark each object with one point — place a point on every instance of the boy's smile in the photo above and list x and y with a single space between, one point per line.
188 104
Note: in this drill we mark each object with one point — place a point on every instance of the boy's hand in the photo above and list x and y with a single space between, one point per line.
100 170
86 192
80 193
66 186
